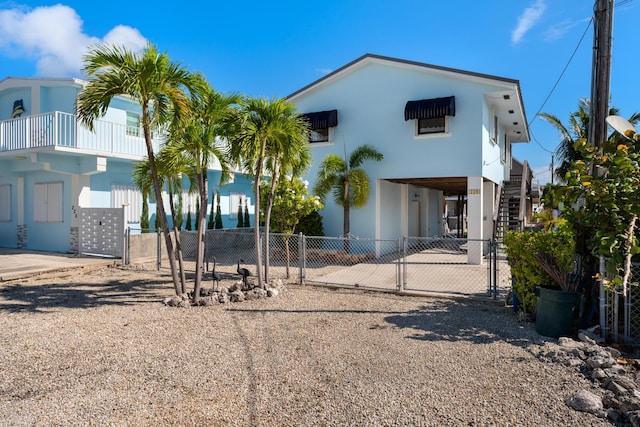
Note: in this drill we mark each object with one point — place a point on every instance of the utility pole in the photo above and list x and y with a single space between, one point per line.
553 169
601 71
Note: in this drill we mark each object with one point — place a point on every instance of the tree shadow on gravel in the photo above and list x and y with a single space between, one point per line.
46 297
462 321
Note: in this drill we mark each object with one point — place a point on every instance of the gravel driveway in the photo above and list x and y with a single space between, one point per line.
100 348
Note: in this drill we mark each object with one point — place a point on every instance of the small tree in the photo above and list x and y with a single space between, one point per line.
188 226
291 202
144 217
347 181
211 222
240 217
218 224
247 221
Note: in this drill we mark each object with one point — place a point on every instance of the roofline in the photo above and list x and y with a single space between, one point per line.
405 62
67 80
372 56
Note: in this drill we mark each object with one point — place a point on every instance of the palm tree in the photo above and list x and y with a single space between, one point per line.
156 83
346 180
170 170
578 128
199 136
269 132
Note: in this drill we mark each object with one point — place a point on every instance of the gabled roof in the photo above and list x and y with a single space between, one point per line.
372 58
501 83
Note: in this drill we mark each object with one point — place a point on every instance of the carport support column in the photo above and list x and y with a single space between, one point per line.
474 219
80 197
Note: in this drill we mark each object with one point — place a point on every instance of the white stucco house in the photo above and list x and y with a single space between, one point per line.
443 132
52 169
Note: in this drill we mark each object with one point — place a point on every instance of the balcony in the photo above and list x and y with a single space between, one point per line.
62 131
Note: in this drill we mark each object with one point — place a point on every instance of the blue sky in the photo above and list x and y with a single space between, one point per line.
271 49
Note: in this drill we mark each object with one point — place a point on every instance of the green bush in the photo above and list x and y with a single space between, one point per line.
523 247
311 225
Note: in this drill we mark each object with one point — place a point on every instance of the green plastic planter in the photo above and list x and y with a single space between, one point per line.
555 312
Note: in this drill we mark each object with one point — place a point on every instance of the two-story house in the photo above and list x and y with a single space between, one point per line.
53 169
443 132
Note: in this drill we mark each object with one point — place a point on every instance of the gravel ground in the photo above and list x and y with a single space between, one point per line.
100 348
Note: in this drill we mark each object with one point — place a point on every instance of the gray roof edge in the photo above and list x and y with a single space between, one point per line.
406 62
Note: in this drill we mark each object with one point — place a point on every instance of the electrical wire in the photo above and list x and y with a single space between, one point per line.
563 71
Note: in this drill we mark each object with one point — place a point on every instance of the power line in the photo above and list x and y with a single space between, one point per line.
562 73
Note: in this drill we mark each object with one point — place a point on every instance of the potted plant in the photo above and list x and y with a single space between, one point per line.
541 264
557 304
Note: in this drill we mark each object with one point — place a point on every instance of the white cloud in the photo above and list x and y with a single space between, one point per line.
53 37
527 20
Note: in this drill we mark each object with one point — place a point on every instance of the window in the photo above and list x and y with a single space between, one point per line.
429 126
5 202
494 130
432 115
47 205
129 196
503 150
133 124
319 135
320 124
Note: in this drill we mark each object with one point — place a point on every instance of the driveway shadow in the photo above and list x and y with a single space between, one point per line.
462 321
46 297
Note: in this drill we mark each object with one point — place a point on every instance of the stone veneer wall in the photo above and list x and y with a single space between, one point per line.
22 236
74 242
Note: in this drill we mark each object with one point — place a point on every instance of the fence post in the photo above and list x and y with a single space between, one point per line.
496 269
127 259
404 263
398 267
159 250
603 301
300 257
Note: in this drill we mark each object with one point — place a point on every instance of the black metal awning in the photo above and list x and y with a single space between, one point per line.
322 119
18 108
430 108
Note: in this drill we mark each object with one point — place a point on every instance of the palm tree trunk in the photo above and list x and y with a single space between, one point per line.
160 206
256 211
346 229
176 235
202 185
267 221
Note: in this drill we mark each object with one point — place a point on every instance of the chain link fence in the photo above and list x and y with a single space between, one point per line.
411 264
442 266
352 262
621 314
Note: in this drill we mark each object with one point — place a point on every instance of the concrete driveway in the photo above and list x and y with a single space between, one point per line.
20 263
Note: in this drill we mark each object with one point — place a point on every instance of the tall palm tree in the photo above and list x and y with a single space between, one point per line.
289 154
170 171
199 136
346 180
156 83
578 128
266 128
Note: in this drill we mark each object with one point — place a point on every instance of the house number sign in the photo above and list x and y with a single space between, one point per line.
474 191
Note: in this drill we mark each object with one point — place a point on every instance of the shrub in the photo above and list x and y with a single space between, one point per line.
311 225
524 248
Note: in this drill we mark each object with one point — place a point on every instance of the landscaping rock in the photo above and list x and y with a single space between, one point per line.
620 398
585 401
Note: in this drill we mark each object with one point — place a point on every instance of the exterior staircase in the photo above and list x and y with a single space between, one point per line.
509 207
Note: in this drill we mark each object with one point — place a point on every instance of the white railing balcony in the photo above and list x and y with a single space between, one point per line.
58 129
